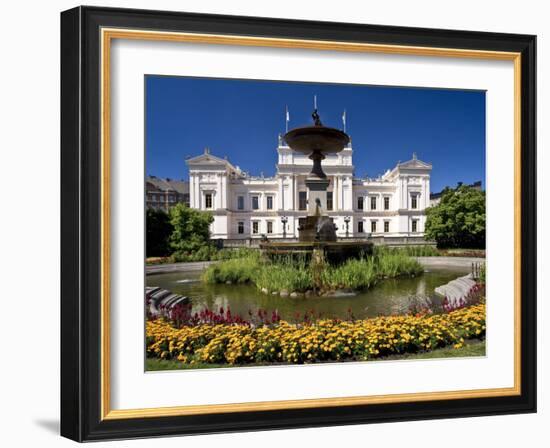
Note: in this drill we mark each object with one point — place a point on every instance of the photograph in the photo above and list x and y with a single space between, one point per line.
291 223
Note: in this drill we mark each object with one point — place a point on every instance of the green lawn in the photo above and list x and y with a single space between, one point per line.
152 364
472 348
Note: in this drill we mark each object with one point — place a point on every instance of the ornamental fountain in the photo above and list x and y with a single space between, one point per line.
317 231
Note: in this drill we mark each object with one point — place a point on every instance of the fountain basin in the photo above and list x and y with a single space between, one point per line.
335 252
325 140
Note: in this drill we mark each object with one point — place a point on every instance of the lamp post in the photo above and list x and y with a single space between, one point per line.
347 219
284 220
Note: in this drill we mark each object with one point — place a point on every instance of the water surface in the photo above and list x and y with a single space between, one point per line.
389 296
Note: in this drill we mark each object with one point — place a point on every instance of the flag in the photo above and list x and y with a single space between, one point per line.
344 119
287 119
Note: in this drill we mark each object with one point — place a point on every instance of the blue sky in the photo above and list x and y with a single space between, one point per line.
241 119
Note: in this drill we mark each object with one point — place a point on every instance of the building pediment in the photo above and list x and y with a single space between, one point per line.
414 163
207 159
418 164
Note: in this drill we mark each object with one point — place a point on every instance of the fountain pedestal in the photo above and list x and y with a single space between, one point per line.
316 226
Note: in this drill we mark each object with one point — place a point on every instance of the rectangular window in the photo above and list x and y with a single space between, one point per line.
255 227
240 202
255 202
386 203
414 201
208 200
373 203
386 226
302 200
414 225
373 226
270 202
240 227
329 200
360 227
269 226
360 201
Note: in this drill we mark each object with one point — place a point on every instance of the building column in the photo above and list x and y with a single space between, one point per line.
197 192
218 203
404 201
191 190
335 189
294 192
427 192
224 190
280 198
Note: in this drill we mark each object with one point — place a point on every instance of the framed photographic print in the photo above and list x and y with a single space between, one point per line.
276 224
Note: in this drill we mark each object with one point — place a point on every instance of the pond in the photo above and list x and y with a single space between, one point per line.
389 296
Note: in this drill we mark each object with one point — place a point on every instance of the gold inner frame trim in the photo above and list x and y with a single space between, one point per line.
107 35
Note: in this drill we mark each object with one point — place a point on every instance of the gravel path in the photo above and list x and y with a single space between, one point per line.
177 267
427 262
449 262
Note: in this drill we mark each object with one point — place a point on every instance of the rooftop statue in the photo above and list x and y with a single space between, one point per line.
316 118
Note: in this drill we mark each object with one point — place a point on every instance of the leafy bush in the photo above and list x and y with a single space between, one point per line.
459 219
191 230
202 253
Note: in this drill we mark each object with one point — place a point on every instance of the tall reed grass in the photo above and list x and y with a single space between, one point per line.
289 274
236 270
411 251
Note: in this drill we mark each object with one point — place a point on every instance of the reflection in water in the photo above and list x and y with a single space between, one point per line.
388 296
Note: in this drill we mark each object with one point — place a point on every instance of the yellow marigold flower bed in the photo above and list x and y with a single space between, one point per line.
324 340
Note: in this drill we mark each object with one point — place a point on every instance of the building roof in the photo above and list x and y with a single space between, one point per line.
167 184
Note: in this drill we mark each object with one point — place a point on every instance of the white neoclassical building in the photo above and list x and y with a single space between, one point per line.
244 206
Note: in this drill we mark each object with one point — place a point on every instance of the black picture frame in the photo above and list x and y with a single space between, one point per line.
81 224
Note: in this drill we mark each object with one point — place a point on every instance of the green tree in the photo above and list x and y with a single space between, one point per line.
158 231
459 219
191 229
